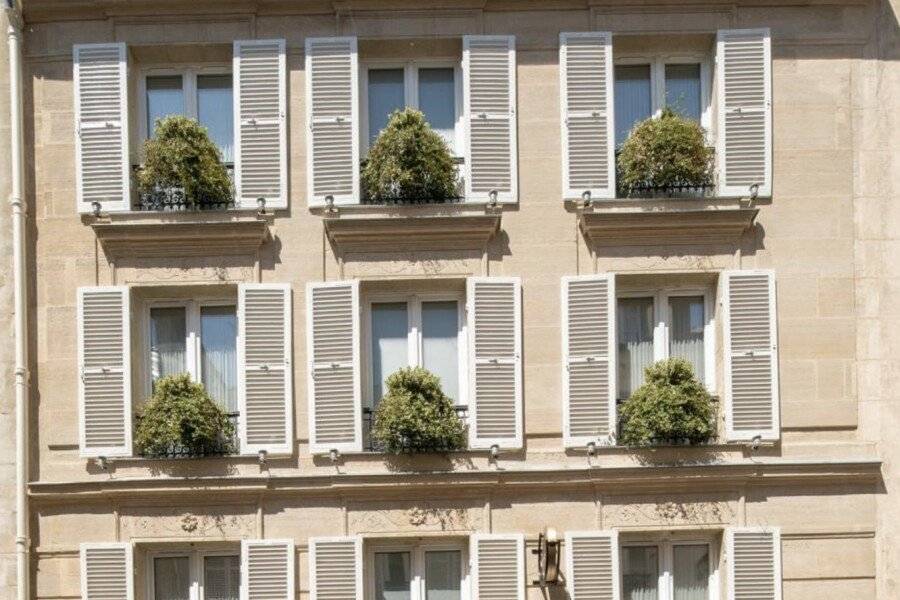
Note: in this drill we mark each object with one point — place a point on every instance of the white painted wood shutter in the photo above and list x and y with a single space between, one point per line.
104 365
744 84
332 90
260 123
751 355
107 571
494 310
489 92
498 566
592 565
267 570
754 563
102 167
335 568
588 125
264 358
333 349
589 355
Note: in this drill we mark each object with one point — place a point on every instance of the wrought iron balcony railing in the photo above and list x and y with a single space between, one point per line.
222 447
370 445
172 199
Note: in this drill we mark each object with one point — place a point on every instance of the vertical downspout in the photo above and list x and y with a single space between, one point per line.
17 205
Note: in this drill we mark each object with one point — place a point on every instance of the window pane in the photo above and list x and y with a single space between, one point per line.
167 335
683 89
686 331
171 578
215 111
221 577
165 96
443 574
389 343
634 318
437 99
386 94
392 577
640 573
440 343
218 354
632 98
691 572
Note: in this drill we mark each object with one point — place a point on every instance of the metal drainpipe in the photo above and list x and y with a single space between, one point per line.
17 204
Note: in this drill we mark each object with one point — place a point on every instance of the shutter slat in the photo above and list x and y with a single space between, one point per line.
265 392
106 572
592 565
267 570
335 568
498 566
754 556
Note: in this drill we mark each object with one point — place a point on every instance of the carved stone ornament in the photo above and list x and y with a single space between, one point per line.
154 522
637 512
419 517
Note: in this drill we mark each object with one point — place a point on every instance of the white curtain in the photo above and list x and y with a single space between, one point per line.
443 574
218 335
691 572
634 318
171 578
640 573
392 576
221 577
686 331
389 344
167 341
440 344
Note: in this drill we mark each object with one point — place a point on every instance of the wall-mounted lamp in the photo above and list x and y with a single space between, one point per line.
493 195
263 455
334 455
754 191
495 451
592 449
261 205
586 199
103 463
755 442
96 207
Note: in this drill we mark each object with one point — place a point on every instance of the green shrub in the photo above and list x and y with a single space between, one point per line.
415 416
409 162
180 416
180 155
668 151
672 407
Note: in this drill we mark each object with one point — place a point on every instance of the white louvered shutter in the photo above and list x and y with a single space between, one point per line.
101 126
754 563
104 363
267 570
751 355
264 355
498 566
489 91
588 126
332 75
589 353
744 84
495 361
592 565
335 568
260 123
335 408
106 571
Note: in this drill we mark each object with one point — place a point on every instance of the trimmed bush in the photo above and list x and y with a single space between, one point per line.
672 407
415 416
665 152
181 156
409 162
181 418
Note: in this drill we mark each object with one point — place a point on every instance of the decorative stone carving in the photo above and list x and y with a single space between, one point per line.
422 516
411 263
636 511
227 522
228 269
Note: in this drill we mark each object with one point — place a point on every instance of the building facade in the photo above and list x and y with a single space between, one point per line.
537 296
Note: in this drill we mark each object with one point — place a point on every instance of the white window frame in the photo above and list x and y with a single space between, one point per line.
195 561
414 337
411 94
417 550
662 319
666 562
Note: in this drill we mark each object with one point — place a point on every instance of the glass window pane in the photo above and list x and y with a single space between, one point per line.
218 354
686 331
171 578
443 574
634 318
167 345
389 343
640 573
165 96
691 572
392 576
683 89
215 110
221 577
386 94
437 99
440 343
632 98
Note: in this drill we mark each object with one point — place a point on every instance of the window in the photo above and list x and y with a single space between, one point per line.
676 570
194 575
434 88
656 325
198 338
427 331
205 95
416 572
